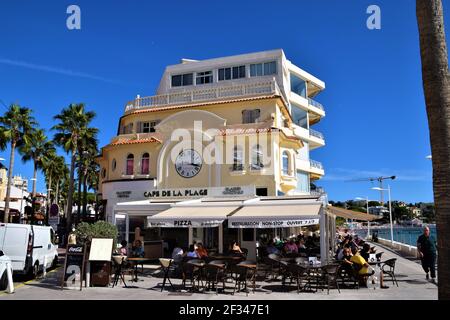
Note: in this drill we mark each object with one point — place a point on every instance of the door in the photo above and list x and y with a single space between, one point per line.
15 245
248 242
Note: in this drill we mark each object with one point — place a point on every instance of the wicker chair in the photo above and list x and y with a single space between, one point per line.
388 268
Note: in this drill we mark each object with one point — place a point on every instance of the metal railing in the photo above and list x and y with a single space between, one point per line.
244 89
316 164
316 104
317 134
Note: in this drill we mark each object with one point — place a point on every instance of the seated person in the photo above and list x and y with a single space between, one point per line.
177 254
201 251
347 264
366 251
290 247
271 249
301 245
123 251
235 247
361 265
192 253
137 250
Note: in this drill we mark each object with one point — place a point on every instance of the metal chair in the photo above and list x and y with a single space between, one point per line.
330 274
215 272
121 267
388 268
166 265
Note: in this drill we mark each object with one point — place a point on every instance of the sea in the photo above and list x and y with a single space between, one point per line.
406 235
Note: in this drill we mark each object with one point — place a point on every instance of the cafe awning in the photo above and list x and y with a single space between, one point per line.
276 214
198 215
350 214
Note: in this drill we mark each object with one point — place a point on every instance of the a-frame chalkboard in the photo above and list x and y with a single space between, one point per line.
74 264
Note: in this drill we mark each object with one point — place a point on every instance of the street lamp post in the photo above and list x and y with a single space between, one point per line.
390 210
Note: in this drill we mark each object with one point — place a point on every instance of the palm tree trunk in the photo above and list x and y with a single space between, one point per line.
436 84
57 192
49 198
85 195
33 193
70 192
79 194
8 186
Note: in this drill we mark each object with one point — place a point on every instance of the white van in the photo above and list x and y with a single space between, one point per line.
27 245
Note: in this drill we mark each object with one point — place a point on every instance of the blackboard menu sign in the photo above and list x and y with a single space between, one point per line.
74 266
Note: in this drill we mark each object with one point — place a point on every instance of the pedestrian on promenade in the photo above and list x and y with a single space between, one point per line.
426 247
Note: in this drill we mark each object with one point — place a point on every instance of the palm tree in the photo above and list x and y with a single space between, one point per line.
37 148
73 122
14 125
91 176
436 84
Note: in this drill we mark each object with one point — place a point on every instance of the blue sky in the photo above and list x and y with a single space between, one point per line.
375 120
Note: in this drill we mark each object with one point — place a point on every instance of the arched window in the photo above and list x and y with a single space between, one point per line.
285 163
114 165
257 157
145 163
103 173
130 164
237 159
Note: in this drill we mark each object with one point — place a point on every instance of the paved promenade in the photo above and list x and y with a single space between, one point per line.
410 276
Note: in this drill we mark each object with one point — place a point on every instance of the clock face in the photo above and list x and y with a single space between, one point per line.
188 163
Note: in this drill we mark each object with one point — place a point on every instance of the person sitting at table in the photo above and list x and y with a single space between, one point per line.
366 251
123 251
137 250
177 254
201 251
271 249
301 245
361 265
192 253
235 248
290 247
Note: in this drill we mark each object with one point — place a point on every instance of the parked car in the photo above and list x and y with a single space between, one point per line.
3 273
27 245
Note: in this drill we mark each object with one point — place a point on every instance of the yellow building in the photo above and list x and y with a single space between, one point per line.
227 132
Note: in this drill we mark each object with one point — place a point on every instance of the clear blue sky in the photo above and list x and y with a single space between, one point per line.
375 120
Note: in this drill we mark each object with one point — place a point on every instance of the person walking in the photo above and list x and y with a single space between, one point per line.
426 247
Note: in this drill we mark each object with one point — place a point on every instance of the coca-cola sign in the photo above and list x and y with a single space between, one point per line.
76 249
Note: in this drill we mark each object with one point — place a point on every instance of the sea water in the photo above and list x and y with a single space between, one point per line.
406 235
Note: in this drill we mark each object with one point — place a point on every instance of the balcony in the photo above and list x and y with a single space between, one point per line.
316 139
245 89
316 169
315 104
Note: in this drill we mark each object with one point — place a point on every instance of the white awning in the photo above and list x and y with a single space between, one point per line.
275 214
198 216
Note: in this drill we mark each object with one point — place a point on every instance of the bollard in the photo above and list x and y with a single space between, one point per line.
10 288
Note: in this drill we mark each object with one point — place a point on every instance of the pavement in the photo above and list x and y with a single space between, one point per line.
409 273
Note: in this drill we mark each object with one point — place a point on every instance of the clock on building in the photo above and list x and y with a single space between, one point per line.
188 163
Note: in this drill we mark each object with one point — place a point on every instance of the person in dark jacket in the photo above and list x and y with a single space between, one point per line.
426 248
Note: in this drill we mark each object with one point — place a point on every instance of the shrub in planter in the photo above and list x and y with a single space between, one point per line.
101 229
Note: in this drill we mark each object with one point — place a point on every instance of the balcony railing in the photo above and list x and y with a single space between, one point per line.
315 104
240 90
317 134
316 164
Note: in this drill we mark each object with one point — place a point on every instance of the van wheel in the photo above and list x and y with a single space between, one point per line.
54 263
35 269
4 281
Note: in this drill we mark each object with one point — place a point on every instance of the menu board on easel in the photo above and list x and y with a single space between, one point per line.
74 266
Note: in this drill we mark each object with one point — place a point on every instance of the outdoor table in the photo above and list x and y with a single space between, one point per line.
377 268
200 265
137 261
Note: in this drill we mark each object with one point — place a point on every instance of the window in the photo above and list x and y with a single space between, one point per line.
145 163
285 169
103 173
257 158
298 86
146 127
114 165
302 182
299 116
182 80
250 116
232 73
127 129
130 164
204 77
263 69
261 192
237 159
